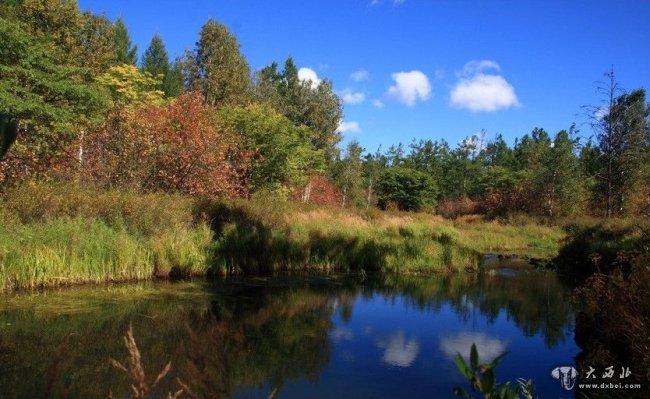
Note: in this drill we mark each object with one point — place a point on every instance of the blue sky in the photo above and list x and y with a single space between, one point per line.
427 69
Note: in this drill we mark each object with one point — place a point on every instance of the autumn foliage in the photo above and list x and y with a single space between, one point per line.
319 191
177 147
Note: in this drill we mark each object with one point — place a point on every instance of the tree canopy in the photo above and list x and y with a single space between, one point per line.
74 105
217 68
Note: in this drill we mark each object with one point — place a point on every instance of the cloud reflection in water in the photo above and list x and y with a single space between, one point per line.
488 348
398 351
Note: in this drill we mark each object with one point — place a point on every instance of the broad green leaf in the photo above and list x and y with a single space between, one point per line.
462 367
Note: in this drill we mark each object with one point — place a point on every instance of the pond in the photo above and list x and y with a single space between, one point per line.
337 336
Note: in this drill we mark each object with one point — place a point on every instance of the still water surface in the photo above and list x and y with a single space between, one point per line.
293 337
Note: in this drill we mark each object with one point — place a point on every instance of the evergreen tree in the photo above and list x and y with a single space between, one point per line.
174 81
428 156
630 113
217 68
155 59
49 98
406 189
560 181
267 86
462 171
317 107
126 52
395 155
497 153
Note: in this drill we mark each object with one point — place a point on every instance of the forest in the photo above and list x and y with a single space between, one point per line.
88 110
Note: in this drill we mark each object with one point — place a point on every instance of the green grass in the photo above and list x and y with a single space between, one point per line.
254 238
67 251
68 234
257 239
529 239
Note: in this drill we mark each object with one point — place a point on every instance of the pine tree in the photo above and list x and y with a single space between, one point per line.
317 107
126 53
155 59
174 81
561 182
218 68
48 97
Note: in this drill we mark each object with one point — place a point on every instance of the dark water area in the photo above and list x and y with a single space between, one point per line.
290 336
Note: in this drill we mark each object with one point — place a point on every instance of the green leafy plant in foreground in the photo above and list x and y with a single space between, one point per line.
483 379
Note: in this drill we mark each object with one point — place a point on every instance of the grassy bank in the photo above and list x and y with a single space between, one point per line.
260 239
63 235
67 234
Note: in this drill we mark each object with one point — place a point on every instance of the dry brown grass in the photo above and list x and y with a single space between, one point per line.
140 388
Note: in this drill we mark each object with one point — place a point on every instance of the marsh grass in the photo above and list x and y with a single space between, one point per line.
66 251
138 213
67 234
262 238
529 239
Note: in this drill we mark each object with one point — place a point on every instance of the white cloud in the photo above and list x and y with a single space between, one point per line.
410 87
375 2
352 97
398 2
398 351
488 348
480 91
308 75
377 103
359 75
348 127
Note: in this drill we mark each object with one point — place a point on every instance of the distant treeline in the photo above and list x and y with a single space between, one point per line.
203 124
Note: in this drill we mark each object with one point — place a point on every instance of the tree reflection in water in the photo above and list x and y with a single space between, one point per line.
226 336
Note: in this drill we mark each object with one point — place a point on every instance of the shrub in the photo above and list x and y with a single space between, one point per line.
453 208
409 189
